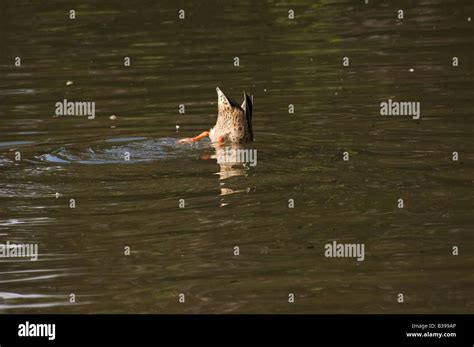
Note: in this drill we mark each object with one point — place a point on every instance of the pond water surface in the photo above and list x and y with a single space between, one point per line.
190 250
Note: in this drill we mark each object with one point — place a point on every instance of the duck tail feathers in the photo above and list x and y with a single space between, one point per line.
247 107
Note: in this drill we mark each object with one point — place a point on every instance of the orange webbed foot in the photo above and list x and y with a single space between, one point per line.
195 139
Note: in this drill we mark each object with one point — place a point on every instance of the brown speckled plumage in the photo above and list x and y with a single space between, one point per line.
234 122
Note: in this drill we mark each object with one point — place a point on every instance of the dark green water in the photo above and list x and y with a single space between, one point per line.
300 156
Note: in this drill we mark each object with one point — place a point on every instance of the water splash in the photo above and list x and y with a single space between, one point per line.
125 150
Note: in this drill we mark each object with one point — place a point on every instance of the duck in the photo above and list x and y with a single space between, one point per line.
234 121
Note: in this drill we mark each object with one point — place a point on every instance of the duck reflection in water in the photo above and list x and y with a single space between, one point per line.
234 160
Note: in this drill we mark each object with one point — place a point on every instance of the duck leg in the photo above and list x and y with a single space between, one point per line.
196 138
